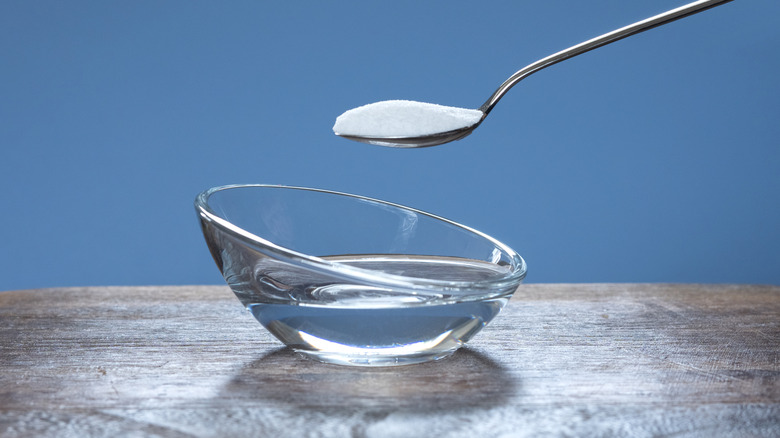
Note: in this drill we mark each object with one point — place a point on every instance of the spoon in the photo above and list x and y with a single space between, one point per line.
410 124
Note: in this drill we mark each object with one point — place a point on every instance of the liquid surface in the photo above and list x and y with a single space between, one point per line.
404 118
278 282
365 325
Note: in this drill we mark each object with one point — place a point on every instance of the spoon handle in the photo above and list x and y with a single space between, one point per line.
610 37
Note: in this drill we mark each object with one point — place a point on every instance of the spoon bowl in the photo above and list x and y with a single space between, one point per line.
416 142
404 123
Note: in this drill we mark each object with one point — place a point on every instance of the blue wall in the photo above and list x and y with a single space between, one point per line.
651 160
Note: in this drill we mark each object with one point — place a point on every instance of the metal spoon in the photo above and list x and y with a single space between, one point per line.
438 138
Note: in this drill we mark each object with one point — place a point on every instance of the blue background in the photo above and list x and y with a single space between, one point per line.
654 159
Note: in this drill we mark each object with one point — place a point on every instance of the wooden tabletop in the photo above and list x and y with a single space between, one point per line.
560 360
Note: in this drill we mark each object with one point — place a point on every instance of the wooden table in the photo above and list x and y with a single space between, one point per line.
560 360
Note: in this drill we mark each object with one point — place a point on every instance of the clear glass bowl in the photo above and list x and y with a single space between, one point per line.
352 280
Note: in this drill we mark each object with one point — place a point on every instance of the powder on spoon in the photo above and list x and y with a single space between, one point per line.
404 118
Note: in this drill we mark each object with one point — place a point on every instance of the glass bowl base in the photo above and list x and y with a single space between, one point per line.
372 359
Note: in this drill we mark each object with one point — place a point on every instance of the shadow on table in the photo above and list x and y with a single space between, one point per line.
465 380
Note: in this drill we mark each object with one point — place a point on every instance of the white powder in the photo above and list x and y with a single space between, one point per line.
404 118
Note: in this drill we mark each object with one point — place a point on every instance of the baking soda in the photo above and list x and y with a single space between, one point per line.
404 118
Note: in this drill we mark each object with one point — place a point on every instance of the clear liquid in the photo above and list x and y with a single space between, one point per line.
364 325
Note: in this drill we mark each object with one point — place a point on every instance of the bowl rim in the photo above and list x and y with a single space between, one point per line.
514 277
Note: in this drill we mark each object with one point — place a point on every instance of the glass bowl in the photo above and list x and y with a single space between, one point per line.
357 281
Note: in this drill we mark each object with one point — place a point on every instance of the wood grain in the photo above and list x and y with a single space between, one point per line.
560 360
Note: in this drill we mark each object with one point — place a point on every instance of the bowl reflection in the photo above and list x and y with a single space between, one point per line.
467 380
